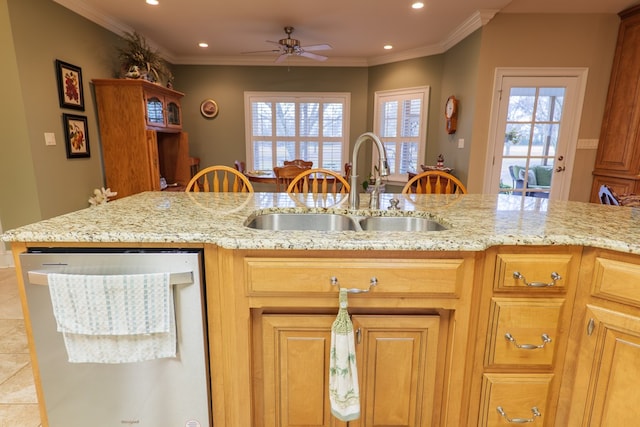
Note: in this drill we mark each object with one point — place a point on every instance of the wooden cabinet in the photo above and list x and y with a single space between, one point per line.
618 157
603 389
412 326
396 359
525 307
141 136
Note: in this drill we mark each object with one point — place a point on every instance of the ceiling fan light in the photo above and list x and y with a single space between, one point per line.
417 5
153 2
388 46
203 44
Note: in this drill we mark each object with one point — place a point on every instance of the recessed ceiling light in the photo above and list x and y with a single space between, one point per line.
203 44
153 2
417 5
388 46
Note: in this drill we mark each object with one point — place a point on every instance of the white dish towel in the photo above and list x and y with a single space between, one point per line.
114 318
344 393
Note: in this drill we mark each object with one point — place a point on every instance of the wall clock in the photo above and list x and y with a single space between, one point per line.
209 108
451 114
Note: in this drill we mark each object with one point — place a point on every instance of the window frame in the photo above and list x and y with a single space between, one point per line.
384 96
297 98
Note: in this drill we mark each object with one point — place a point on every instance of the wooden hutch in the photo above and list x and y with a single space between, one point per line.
141 136
618 158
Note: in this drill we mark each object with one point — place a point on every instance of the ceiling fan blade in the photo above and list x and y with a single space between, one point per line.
315 47
262 51
313 56
281 58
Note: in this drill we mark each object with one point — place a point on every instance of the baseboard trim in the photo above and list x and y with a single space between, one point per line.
6 260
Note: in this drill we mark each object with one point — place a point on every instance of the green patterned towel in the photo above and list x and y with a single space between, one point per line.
344 393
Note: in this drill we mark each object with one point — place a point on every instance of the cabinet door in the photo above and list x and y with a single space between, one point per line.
619 135
396 359
295 371
152 167
155 110
396 368
174 113
606 391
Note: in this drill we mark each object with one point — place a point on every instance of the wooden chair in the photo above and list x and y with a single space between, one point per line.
240 166
318 181
286 174
194 165
434 182
607 196
299 162
220 179
348 167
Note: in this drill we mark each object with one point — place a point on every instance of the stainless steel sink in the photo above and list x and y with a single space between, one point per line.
289 221
399 223
303 221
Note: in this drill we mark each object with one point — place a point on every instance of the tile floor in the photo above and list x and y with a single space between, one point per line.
18 401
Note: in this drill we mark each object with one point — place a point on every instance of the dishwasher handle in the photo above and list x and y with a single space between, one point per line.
182 278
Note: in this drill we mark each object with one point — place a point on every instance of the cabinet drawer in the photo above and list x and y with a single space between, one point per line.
523 331
423 277
515 272
617 280
518 396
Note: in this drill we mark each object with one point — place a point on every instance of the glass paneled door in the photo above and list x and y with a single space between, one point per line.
534 136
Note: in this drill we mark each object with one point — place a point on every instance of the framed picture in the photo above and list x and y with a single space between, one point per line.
76 135
70 90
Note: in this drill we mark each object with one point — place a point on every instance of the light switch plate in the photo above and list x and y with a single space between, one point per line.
587 144
461 143
49 138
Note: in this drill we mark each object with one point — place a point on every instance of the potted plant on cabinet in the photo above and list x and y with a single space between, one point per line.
139 60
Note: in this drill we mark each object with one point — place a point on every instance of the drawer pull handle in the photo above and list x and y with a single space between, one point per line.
554 276
534 411
372 282
545 339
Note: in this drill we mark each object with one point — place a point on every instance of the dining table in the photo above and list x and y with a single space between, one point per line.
264 177
268 177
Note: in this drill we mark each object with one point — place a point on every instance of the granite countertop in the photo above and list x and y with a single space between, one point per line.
475 221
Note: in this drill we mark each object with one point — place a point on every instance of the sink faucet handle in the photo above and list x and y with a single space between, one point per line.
374 201
393 204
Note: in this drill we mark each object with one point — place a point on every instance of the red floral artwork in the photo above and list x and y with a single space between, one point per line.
71 86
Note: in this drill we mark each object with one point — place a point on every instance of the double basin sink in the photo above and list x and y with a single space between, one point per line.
280 221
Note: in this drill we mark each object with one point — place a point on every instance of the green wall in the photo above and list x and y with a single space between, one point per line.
19 202
222 140
42 31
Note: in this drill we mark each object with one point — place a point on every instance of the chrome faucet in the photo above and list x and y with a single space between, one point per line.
354 196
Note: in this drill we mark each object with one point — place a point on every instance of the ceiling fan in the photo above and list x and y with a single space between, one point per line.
291 47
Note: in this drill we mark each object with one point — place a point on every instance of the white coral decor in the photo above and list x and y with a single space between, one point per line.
101 196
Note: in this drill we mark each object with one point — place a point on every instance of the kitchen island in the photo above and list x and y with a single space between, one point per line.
441 332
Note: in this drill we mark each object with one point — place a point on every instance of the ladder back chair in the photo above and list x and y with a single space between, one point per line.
299 162
434 182
240 166
318 181
285 174
607 196
219 179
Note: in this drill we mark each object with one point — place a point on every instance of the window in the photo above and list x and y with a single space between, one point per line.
400 121
288 126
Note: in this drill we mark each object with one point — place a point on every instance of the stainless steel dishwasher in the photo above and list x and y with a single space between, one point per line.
170 392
